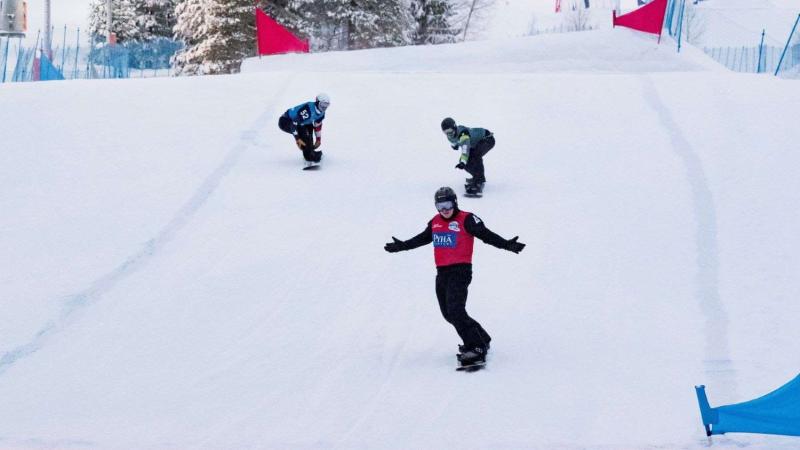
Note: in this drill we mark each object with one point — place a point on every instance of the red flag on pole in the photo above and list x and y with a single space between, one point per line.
274 38
649 18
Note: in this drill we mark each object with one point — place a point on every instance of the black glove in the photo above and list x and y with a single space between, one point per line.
395 246
513 246
461 165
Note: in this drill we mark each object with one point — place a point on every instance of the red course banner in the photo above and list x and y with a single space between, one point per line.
275 39
649 18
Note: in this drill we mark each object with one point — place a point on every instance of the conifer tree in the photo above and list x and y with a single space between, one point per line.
327 22
218 35
190 27
432 21
155 18
231 34
285 12
354 24
123 20
380 23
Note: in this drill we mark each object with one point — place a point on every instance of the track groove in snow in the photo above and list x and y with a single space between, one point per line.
717 354
77 302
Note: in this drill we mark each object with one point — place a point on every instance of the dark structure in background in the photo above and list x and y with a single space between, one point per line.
13 18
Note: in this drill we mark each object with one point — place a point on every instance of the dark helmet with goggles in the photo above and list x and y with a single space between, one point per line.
449 126
445 198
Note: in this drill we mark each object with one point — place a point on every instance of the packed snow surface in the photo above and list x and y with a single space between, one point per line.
171 279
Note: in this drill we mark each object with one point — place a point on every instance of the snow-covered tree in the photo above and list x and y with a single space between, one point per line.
190 27
379 23
155 18
232 31
353 24
301 17
218 35
286 13
123 20
432 21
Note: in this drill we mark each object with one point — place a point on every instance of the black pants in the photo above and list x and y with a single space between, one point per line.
306 134
475 161
451 291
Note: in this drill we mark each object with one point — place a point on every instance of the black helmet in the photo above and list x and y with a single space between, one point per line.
444 194
448 124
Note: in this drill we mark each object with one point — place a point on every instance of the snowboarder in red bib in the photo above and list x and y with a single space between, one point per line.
453 234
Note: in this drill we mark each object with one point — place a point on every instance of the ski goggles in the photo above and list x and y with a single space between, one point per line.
446 205
450 132
323 106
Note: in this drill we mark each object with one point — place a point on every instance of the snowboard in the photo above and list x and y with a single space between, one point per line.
473 191
469 367
474 367
314 166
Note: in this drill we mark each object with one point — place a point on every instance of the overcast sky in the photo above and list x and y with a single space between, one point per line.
72 13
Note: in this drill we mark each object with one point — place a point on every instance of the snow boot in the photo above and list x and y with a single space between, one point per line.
463 348
472 356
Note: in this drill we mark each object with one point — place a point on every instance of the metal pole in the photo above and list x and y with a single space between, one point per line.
25 67
47 37
64 51
109 9
77 51
680 25
5 59
14 74
109 13
669 16
742 60
761 50
788 41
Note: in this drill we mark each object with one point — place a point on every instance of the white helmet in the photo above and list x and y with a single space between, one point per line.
323 101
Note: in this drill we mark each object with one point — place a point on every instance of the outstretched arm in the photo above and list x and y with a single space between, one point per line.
424 238
477 228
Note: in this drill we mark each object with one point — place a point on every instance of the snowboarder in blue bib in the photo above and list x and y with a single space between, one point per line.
304 122
474 144
453 232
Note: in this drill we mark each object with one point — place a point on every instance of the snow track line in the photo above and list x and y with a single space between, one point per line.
372 404
717 362
151 248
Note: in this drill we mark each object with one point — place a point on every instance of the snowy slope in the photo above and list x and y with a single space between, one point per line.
732 23
172 280
719 23
614 51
